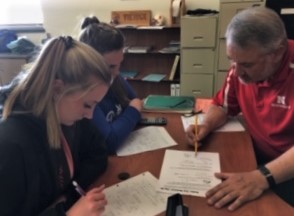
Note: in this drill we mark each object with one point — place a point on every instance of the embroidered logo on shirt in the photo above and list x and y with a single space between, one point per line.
113 113
281 102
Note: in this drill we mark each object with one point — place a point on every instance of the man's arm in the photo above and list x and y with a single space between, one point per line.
214 118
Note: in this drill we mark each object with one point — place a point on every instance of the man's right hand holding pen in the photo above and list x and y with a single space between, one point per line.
214 118
192 138
91 204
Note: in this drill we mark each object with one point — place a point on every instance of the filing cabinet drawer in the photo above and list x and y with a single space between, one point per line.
199 61
223 61
228 10
198 31
219 80
197 85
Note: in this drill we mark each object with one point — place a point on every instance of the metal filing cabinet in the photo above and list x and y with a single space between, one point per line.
198 34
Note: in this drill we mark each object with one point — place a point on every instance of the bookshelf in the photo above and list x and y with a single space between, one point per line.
153 61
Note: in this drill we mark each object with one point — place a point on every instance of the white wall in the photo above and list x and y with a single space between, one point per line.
64 16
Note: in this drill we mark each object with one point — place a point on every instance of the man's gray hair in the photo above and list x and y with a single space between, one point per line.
257 26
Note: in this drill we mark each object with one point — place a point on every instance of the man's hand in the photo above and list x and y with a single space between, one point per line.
236 189
192 138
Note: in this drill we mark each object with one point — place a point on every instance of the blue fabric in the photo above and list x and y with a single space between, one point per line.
113 122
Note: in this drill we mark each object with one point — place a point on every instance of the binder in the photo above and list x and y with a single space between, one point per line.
169 104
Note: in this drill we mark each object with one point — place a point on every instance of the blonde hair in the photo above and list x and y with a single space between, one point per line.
63 58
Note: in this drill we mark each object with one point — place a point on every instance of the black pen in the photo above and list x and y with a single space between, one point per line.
78 188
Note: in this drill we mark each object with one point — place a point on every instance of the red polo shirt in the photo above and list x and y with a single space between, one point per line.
267 107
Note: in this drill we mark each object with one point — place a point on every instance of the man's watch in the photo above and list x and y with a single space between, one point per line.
268 175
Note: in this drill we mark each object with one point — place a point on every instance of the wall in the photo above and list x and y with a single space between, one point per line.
63 17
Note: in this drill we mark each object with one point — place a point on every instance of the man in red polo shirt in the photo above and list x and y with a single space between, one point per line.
260 85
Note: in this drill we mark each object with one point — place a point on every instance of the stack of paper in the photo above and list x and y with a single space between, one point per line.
135 196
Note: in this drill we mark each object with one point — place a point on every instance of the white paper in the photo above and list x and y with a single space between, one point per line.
146 139
183 172
135 196
231 125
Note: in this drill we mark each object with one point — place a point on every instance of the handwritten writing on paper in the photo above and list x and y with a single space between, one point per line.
135 196
183 172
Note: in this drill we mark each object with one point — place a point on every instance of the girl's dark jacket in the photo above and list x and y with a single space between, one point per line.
33 176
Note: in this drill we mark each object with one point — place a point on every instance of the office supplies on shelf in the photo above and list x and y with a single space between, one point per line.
170 49
182 172
166 103
154 77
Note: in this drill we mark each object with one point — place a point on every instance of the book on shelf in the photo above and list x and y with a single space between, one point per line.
170 49
174 68
169 104
129 74
154 77
173 47
139 49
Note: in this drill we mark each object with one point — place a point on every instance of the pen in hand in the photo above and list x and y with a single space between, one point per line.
78 188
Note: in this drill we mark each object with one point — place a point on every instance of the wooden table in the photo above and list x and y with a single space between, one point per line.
236 155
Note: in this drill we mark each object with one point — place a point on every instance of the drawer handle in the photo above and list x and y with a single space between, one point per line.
197 65
198 38
196 92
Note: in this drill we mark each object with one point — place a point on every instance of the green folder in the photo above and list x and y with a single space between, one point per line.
165 103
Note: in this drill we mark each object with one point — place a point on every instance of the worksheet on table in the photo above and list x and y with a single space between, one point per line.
146 139
231 125
186 173
135 196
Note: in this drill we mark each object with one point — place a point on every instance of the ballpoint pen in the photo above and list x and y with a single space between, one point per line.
78 188
196 132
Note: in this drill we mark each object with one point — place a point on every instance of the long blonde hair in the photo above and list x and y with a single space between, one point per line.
64 58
